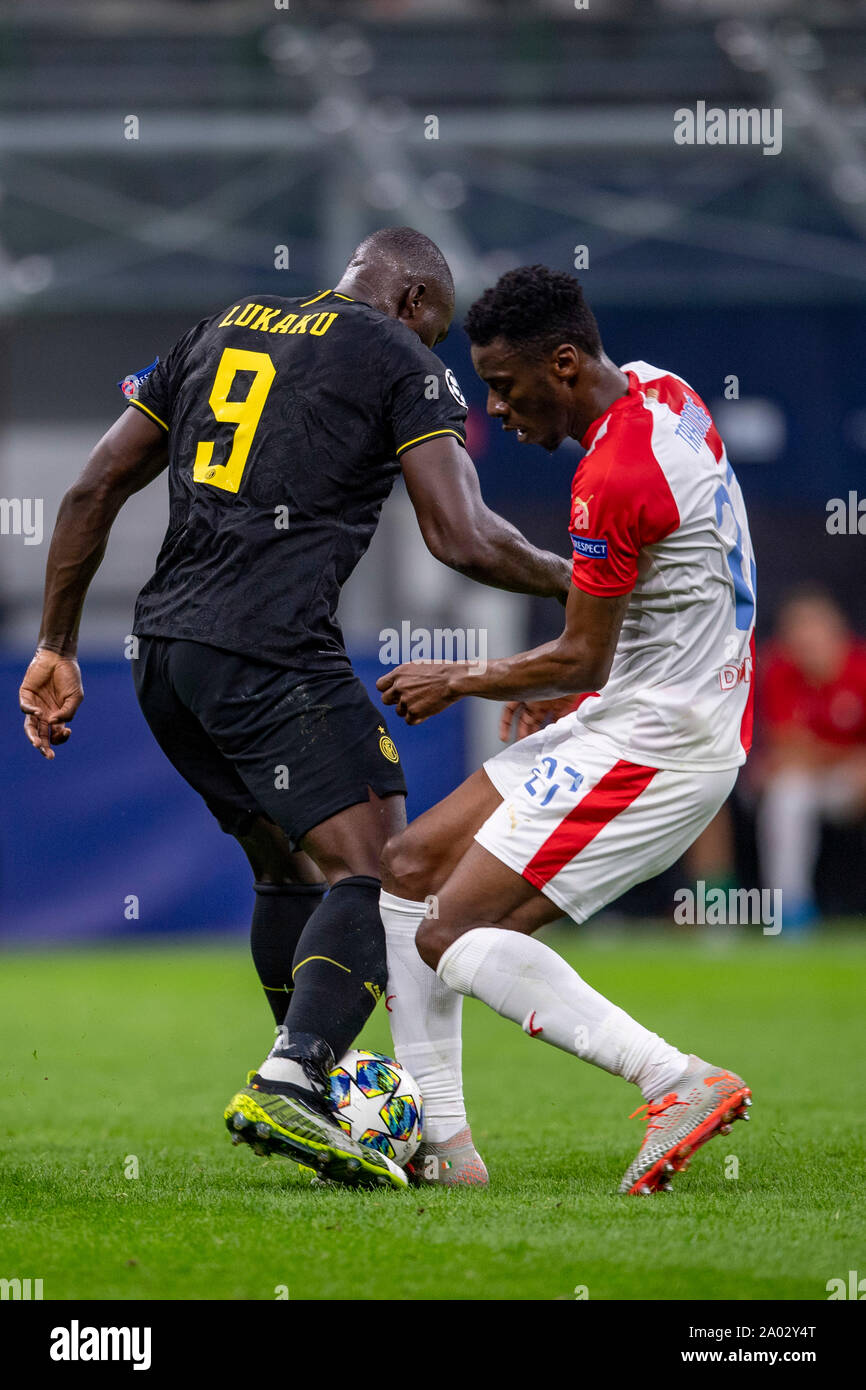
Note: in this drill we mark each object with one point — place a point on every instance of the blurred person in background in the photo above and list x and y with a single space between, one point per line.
712 858
813 769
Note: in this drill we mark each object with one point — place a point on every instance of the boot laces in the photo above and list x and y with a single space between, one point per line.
653 1108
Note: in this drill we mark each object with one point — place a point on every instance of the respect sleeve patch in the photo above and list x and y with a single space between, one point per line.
131 385
589 547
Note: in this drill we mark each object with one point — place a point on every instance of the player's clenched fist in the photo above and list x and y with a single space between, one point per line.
418 689
50 694
523 717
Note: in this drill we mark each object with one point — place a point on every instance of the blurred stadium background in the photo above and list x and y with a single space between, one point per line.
511 133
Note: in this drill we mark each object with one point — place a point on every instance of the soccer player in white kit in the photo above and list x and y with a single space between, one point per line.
659 630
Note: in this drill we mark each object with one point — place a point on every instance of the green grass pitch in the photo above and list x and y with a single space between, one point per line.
120 1058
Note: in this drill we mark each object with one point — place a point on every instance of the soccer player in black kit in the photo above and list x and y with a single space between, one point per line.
283 424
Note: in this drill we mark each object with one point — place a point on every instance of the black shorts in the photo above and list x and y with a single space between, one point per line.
255 739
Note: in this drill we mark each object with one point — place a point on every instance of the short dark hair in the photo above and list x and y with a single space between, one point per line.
414 252
534 308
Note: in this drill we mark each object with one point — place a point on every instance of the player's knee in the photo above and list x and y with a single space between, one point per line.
272 859
432 939
406 866
270 867
275 877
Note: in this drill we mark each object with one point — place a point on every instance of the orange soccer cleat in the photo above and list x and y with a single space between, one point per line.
706 1102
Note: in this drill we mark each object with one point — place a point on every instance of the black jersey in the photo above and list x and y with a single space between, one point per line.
286 421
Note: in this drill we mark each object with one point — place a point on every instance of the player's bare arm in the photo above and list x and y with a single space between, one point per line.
129 456
579 660
461 530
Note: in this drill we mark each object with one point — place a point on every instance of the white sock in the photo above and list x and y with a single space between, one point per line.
424 1015
278 1068
526 981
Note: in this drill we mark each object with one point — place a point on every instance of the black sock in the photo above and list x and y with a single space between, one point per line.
279 917
340 968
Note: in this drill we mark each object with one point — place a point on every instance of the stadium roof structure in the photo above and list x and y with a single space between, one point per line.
156 154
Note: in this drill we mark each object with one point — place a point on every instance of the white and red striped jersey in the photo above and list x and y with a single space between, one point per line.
657 513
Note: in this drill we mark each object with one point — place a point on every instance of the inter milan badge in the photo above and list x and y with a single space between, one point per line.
131 385
451 383
388 747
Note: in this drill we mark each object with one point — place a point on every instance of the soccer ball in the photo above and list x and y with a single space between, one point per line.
376 1101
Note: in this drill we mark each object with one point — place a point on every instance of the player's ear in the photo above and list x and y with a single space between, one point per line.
412 300
565 362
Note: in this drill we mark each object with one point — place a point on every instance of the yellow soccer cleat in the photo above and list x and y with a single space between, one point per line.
296 1128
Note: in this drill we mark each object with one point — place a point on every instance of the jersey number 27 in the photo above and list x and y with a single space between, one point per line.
245 414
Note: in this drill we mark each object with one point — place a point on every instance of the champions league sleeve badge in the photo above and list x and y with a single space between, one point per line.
131 385
451 383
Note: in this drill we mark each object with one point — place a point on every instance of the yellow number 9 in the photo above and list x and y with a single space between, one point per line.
245 414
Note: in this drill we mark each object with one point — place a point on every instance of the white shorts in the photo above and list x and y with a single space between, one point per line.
582 825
